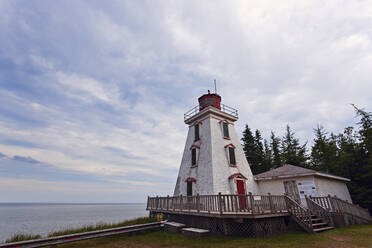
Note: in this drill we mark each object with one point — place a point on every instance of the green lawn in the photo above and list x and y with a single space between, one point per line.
354 236
99 226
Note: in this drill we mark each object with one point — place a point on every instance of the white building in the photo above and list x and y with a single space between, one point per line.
298 182
214 162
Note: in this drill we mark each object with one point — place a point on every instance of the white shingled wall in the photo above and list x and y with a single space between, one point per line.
276 186
327 186
202 172
213 168
324 186
221 168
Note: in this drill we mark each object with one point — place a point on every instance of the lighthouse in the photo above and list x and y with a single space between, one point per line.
213 160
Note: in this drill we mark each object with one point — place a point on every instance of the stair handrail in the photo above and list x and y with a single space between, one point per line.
301 215
339 205
319 211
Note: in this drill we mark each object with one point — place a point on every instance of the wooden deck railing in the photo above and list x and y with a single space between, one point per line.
319 211
220 204
301 215
334 204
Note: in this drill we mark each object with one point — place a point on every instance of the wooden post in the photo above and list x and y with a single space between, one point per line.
337 203
181 203
220 202
331 203
198 202
167 202
251 199
272 210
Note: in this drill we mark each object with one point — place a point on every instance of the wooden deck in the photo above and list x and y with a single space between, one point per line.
221 206
245 215
257 214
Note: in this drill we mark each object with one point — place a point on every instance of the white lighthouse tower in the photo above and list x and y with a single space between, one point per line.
213 160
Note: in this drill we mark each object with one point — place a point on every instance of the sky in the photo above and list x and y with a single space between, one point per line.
92 93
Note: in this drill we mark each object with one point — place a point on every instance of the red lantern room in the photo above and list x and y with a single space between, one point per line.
209 99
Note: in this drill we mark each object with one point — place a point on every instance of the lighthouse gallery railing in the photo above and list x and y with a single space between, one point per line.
219 204
224 108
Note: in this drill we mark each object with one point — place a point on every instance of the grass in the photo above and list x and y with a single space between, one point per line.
99 226
22 237
353 237
346 237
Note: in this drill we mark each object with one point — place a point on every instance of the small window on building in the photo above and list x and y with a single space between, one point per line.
232 155
225 130
189 188
193 157
196 129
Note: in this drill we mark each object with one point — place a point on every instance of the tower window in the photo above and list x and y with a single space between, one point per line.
196 129
225 130
193 157
232 155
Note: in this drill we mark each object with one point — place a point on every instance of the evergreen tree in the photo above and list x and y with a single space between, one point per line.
362 183
259 152
319 150
332 157
253 149
292 152
268 157
249 147
365 133
348 153
324 152
275 148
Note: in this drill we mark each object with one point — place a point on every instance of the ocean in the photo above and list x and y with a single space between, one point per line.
43 218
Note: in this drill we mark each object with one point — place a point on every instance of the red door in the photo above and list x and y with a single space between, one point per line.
241 192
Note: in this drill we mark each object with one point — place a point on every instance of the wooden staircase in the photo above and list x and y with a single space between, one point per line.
319 225
315 219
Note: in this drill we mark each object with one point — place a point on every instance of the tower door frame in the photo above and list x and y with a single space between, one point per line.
241 192
189 188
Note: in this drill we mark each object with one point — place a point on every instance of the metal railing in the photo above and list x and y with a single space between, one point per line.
219 204
224 108
54 241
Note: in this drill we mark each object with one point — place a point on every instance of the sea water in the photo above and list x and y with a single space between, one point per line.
43 218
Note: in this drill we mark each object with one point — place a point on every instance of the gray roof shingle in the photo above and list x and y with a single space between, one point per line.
293 171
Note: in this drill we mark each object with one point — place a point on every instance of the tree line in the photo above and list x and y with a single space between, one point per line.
347 154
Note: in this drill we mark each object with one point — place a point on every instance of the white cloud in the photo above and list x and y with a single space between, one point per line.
295 62
85 88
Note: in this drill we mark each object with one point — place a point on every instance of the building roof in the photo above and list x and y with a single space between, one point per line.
288 170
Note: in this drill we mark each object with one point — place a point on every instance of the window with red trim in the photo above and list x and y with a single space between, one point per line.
225 128
193 157
232 155
196 132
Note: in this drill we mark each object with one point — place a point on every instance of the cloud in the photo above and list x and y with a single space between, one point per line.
98 90
26 159
85 88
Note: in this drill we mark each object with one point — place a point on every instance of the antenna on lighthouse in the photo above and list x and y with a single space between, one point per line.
215 86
